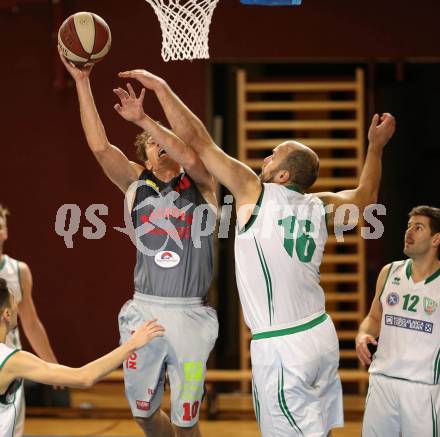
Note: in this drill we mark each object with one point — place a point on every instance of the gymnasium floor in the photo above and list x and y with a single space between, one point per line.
127 428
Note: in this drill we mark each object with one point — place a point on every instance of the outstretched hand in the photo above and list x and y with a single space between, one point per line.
381 129
76 72
146 332
147 79
131 107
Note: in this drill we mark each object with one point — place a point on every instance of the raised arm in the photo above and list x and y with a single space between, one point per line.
369 329
243 183
28 366
115 164
131 109
32 326
381 130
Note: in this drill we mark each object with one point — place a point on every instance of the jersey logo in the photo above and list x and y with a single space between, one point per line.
396 280
393 299
429 305
167 259
407 323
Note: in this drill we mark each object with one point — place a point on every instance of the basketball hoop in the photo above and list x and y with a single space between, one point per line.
185 27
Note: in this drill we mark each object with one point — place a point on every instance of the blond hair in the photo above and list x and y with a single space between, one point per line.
4 212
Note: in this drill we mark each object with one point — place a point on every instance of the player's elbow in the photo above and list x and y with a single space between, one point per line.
99 149
85 378
365 196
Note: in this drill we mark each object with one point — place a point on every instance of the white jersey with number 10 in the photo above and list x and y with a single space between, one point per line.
277 257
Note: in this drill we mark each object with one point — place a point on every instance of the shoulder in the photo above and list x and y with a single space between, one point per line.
24 268
395 267
6 353
137 168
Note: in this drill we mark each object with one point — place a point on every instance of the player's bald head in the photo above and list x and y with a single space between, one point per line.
301 162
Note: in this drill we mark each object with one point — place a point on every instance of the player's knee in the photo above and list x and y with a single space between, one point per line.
148 423
190 431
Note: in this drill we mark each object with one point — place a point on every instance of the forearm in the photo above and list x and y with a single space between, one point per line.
38 339
90 120
185 124
96 370
369 182
370 326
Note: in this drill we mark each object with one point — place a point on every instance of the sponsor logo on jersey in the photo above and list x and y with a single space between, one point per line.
396 280
393 299
429 305
142 405
167 259
407 323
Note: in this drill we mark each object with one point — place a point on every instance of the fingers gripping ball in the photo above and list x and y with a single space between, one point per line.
84 38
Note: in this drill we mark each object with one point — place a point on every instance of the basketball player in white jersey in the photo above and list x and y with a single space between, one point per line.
278 250
19 278
403 399
16 365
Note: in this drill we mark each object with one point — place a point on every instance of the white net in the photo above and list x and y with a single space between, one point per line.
185 27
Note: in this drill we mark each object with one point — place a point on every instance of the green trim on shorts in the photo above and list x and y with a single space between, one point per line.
437 368
434 420
283 404
293 330
256 401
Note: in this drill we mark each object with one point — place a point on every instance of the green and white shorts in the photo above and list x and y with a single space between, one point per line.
191 329
296 386
401 408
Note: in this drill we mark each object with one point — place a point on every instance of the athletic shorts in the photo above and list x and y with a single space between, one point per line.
296 386
400 408
191 329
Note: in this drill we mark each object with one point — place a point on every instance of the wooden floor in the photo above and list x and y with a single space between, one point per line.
127 428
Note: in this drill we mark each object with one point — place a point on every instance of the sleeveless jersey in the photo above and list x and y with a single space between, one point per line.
277 258
176 264
409 342
7 399
10 272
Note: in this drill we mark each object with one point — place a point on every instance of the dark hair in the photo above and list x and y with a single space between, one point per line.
303 167
4 294
434 218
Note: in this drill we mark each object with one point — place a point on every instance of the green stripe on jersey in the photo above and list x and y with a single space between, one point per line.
386 280
3 262
267 278
437 367
432 277
255 212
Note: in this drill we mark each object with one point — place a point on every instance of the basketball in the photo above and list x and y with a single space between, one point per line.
84 38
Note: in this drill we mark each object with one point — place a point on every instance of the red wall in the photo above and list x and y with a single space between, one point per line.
45 161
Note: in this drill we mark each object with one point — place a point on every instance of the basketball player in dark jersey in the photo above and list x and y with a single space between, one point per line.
173 269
